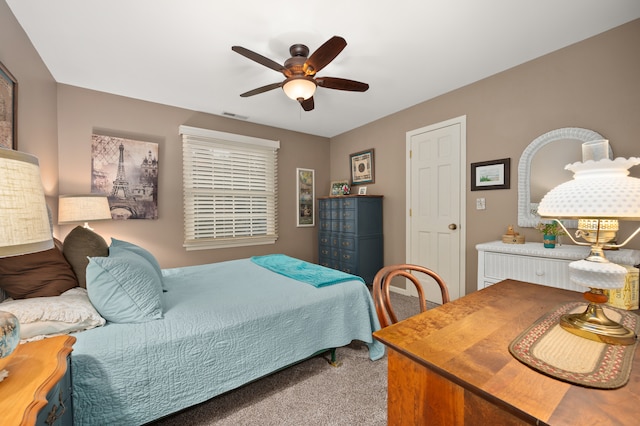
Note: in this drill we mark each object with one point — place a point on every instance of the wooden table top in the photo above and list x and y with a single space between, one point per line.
34 368
467 342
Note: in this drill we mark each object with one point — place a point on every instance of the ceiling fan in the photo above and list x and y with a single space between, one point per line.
300 72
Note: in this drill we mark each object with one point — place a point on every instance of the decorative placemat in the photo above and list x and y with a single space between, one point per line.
549 349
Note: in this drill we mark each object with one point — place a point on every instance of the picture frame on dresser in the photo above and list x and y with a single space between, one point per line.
8 109
339 188
305 196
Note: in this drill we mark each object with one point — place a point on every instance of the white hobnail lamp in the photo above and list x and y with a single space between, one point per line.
600 194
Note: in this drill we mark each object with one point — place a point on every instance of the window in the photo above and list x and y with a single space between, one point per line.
230 189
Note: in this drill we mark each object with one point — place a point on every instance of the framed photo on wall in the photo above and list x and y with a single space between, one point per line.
305 195
8 109
362 167
493 174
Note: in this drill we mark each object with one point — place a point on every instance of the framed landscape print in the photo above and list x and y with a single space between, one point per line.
362 167
8 109
306 195
491 174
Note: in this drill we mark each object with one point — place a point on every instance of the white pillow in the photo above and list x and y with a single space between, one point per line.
42 316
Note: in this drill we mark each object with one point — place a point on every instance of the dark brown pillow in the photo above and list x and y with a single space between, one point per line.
80 243
42 274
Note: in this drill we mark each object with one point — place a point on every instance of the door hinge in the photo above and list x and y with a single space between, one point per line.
410 213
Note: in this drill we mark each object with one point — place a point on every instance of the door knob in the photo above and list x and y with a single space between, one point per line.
453 226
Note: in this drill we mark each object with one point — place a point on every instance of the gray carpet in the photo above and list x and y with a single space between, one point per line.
312 392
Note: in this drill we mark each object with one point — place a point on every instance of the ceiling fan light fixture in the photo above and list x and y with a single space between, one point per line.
300 87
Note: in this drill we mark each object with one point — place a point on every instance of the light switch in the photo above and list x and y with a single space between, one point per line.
480 204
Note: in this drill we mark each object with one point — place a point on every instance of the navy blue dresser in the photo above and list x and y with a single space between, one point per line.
350 235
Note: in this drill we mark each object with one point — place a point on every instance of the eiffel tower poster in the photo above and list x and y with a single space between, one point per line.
126 171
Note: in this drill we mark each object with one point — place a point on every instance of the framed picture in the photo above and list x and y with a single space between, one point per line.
306 195
362 190
362 167
126 171
491 174
8 109
339 187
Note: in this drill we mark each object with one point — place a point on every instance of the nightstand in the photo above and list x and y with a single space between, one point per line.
38 389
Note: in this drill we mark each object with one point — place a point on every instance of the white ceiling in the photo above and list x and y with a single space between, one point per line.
179 52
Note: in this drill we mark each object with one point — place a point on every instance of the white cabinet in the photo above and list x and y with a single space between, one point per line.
533 263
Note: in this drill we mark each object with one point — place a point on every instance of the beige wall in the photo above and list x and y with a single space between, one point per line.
80 111
594 84
36 98
55 123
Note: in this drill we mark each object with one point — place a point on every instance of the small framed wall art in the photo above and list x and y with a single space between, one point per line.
362 167
8 109
362 190
305 194
493 174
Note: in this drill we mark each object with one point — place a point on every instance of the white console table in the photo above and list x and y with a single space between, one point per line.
533 263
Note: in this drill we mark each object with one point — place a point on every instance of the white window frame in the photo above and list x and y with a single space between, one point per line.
230 189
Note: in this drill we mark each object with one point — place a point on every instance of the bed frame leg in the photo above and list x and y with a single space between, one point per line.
333 362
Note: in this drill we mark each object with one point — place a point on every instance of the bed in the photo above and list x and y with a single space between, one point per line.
209 329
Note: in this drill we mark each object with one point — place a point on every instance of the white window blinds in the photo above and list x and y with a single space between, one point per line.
230 189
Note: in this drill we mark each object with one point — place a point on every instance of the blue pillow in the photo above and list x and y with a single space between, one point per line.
138 250
124 287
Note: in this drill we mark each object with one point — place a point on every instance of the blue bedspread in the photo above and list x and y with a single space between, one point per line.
299 270
224 325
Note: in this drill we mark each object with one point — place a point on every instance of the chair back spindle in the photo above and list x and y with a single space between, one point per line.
382 281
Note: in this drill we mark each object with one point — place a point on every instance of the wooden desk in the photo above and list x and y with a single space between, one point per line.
451 366
34 369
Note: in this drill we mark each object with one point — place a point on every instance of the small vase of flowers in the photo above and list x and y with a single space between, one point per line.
550 232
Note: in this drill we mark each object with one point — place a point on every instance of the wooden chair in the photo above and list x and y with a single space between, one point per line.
381 283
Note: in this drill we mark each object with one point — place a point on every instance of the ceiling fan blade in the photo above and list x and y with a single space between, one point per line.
324 55
307 104
261 90
258 58
341 84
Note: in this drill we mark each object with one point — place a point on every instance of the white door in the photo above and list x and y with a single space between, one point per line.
436 191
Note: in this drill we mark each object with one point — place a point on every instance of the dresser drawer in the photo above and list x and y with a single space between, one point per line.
537 270
347 214
329 225
346 203
324 239
347 257
347 242
324 214
534 263
324 204
347 225
58 411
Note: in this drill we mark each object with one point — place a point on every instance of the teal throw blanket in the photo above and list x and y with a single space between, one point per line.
310 273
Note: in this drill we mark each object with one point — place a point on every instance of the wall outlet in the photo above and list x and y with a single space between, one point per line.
480 204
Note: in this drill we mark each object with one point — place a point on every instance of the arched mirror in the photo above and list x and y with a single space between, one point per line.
541 168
